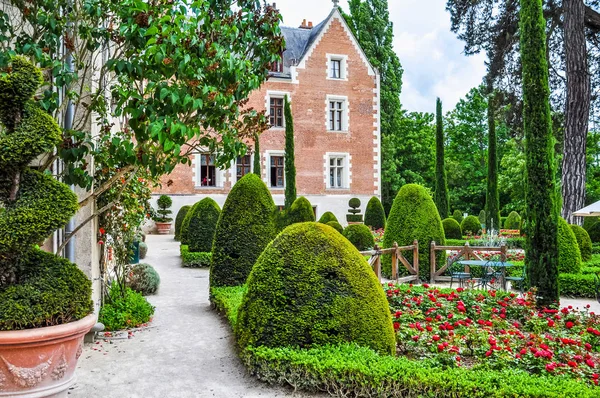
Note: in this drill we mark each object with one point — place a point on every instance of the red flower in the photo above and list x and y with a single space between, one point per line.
396 326
440 347
569 325
102 231
436 337
590 363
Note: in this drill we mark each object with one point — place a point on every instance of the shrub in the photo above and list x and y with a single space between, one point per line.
203 218
577 285
569 256
337 226
451 229
185 226
470 226
589 221
194 259
583 241
124 310
481 218
311 287
143 278
360 236
594 232
244 229
414 216
458 216
300 211
513 221
179 220
327 217
143 248
164 202
354 211
375 215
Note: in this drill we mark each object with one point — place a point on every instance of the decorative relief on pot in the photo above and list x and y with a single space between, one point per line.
2 380
79 351
28 377
61 368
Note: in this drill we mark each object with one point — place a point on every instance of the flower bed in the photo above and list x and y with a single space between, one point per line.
494 331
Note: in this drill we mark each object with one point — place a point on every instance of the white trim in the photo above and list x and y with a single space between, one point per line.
276 94
220 174
345 113
343 67
267 167
347 177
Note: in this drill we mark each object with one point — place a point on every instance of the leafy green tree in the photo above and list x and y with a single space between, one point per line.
492 201
441 182
511 181
541 242
290 157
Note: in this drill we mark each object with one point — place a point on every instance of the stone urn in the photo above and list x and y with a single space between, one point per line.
164 228
41 362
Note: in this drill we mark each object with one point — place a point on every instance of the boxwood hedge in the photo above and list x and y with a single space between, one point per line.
201 226
360 236
375 214
569 256
451 229
583 241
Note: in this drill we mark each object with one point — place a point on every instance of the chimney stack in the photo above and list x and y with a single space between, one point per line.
310 25
306 26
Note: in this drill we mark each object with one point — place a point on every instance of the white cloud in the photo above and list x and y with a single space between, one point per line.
431 55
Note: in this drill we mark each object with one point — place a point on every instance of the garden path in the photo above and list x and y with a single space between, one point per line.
186 352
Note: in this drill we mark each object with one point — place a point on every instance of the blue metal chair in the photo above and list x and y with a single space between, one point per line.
519 279
457 272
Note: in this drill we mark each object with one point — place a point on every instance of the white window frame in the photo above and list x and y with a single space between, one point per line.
345 113
267 180
346 177
219 173
343 67
276 94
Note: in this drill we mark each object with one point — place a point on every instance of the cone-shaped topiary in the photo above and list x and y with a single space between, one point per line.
311 287
300 211
513 221
327 217
185 227
360 236
337 226
451 229
583 241
244 229
569 256
202 225
36 289
414 216
458 216
179 220
470 226
375 215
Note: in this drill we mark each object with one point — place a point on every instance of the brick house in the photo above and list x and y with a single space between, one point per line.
334 95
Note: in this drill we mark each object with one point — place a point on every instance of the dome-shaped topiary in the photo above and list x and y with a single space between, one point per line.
594 232
327 217
311 287
481 217
470 226
569 256
300 211
203 218
583 241
337 226
144 279
374 214
451 229
458 216
513 221
360 236
179 220
245 228
414 216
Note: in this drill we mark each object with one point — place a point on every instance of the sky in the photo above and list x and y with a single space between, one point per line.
431 55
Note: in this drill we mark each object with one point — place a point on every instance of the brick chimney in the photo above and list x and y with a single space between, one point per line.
310 25
306 26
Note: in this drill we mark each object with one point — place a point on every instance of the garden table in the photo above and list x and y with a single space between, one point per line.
490 268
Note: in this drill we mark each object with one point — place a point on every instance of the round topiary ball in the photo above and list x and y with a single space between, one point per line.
337 226
245 228
300 211
354 203
513 221
569 256
583 241
179 220
414 216
144 279
594 232
202 225
360 236
327 217
470 226
312 287
458 216
374 214
451 229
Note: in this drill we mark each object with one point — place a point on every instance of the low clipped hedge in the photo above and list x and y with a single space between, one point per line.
375 214
143 278
595 248
360 236
511 243
569 256
337 226
577 285
194 259
451 229
594 232
328 217
179 220
583 241
470 225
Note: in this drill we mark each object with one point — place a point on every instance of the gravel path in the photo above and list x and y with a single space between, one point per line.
188 350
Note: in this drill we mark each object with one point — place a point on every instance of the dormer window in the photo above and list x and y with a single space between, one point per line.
277 66
337 68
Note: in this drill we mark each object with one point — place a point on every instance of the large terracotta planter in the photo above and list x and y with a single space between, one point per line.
164 228
41 362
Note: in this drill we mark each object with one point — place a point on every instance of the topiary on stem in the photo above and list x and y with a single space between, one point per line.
375 214
164 203
36 289
354 211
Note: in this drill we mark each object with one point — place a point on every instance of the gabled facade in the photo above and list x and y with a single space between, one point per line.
334 95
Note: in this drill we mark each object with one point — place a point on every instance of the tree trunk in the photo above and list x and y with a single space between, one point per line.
577 110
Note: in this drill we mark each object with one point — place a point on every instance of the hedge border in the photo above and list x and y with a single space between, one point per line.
194 259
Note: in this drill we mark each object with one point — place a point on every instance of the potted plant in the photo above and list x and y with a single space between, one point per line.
45 300
162 219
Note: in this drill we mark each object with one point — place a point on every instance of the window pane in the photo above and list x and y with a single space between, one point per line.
340 161
339 177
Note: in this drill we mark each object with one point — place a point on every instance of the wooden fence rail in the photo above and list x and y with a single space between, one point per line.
397 255
465 252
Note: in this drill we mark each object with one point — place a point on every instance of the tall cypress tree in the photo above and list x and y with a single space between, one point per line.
492 199
441 184
541 221
257 156
290 158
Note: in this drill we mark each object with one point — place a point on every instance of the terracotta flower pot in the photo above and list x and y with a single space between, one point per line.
164 228
41 362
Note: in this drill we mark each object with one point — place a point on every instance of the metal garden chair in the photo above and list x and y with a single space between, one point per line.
519 279
457 272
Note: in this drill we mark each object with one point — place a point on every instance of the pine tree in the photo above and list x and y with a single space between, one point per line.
257 156
541 242
290 166
492 200
441 184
